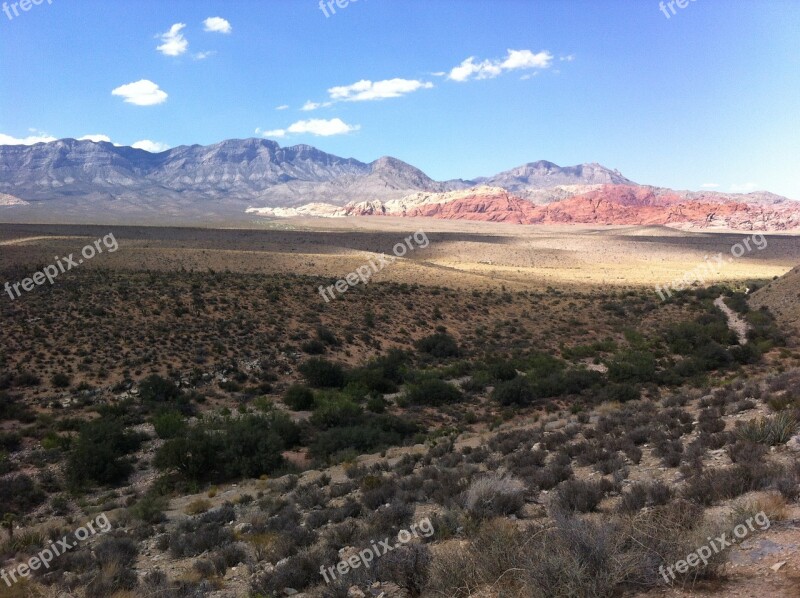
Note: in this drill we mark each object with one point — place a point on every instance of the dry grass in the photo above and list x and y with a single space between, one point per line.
198 506
772 504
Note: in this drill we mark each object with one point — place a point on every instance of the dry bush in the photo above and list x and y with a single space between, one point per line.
773 505
407 566
111 578
494 495
574 557
197 506
640 495
729 482
579 496
746 451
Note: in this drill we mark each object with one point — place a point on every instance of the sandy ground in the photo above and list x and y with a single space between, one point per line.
475 255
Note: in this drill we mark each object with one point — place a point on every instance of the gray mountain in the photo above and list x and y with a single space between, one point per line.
227 177
525 179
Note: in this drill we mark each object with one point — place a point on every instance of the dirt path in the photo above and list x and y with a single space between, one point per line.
31 239
735 321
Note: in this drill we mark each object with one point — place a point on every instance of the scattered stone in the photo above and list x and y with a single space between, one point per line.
776 567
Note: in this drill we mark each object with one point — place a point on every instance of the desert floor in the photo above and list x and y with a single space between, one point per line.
459 254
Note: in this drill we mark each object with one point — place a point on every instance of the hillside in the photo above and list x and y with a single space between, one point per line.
782 298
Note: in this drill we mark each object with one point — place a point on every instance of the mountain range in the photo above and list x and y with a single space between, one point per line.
262 179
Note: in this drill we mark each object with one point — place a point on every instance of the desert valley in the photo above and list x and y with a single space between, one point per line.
238 366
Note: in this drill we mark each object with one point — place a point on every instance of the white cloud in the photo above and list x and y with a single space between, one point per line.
175 43
314 126
273 133
95 138
30 140
154 147
568 58
40 137
282 107
744 187
217 25
322 128
141 93
489 69
365 90
710 185
309 105
525 59
468 68
204 55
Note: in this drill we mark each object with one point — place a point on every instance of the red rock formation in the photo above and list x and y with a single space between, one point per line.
614 205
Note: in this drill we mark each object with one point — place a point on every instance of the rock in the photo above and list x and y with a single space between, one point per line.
794 443
355 592
776 567
388 590
289 591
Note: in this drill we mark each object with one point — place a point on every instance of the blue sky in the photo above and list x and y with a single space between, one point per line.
709 96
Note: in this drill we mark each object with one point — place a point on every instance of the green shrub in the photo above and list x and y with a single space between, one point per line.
299 397
325 335
320 373
433 392
370 433
61 380
10 441
440 345
150 509
518 391
99 454
313 347
336 411
154 388
25 379
619 392
221 450
633 366
771 431
19 495
169 424
12 408
502 371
